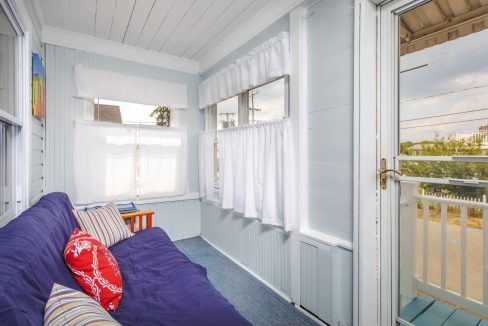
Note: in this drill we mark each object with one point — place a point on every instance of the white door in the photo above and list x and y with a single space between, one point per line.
433 118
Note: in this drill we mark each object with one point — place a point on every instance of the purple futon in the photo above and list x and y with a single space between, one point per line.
161 286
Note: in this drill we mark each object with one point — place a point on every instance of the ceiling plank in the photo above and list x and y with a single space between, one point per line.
194 15
178 11
232 12
51 10
103 18
138 20
121 19
156 17
79 16
240 19
201 27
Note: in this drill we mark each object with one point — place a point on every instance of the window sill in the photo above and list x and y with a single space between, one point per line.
326 239
189 196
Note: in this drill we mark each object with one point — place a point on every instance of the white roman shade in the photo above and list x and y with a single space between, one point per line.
264 63
93 83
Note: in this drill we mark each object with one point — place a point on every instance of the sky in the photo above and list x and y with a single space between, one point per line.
454 80
269 98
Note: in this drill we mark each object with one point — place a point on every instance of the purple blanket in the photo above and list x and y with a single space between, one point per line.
161 286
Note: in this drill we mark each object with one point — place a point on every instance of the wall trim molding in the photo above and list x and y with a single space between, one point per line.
261 20
78 41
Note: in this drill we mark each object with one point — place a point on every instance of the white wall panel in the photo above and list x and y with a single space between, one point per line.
264 250
330 36
325 282
179 219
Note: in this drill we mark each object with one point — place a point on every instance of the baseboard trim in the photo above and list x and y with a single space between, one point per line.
266 283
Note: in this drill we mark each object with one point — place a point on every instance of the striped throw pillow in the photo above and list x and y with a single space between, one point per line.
69 307
104 224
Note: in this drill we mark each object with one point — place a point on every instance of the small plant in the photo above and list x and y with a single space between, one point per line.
163 116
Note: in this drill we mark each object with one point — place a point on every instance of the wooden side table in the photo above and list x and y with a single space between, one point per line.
139 215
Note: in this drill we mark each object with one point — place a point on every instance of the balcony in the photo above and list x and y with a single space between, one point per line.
443 255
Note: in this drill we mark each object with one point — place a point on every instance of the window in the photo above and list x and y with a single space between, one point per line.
263 103
267 102
133 113
122 162
228 113
10 121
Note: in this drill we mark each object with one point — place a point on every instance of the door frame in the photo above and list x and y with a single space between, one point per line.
374 256
388 147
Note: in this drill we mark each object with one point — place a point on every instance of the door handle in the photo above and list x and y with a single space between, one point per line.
383 171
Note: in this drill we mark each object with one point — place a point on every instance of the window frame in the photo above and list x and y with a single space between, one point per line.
18 123
243 118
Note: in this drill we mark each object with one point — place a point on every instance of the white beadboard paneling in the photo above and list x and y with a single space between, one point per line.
84 19
231 13
171 23
212 14
325 282
309 277
121 19
264 250
37 147
103 18
180 219
191 18
156 17
139 17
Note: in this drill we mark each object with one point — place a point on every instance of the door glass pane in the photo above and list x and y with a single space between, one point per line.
7 65
443 112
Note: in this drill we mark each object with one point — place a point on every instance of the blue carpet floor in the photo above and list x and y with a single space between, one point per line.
255 301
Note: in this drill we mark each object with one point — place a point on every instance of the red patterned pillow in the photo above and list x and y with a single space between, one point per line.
94 268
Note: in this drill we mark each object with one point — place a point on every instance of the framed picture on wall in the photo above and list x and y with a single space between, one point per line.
38 88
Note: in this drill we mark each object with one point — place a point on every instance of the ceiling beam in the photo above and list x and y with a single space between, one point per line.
441 11
88 43
455 21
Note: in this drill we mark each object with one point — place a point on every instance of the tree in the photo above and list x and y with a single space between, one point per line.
457 170
163 116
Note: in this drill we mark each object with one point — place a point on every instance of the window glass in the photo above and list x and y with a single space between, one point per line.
133 113
227 113
5 170
267 102
7 65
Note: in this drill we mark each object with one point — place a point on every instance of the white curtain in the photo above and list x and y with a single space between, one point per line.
162 162
264 63
207 164
104 158
93 83
256 172
119 162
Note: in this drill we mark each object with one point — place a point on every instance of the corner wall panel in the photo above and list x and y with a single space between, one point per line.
37 143
262 249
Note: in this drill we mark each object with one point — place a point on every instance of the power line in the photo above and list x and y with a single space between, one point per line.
444 115
446 93
444 123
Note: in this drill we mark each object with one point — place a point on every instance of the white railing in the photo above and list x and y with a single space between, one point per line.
480 135
408 247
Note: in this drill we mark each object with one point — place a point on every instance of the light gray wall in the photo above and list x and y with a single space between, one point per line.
179 219
330 38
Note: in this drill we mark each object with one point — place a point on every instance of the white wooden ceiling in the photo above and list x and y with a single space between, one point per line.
184 28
